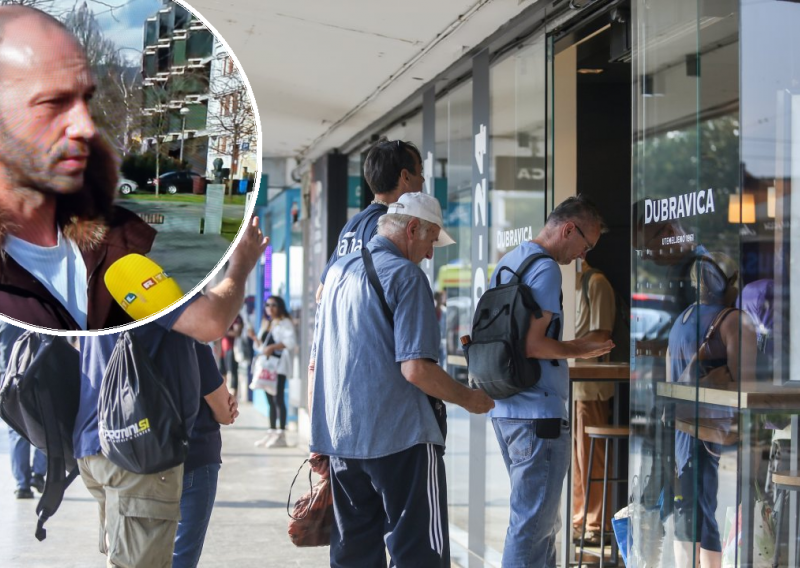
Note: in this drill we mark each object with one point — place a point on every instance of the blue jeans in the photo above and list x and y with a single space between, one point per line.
197 500
20 450
537 468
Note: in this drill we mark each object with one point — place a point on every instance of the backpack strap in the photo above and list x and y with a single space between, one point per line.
57 480
716 323
439 411
372 276
522 268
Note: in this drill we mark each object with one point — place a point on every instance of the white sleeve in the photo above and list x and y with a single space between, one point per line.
285 331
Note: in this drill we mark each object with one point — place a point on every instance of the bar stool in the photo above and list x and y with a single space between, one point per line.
607 433
784 482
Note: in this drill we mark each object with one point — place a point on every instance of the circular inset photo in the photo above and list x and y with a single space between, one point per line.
129 157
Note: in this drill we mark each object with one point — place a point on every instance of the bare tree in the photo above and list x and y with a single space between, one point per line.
234 125
116 102
49 6
44 5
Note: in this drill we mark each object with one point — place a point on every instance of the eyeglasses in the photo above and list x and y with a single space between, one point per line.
589 246
272 305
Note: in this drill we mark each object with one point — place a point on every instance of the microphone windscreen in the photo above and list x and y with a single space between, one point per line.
140 286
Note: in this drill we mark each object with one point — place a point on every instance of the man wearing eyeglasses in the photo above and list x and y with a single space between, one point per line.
392 168
532 427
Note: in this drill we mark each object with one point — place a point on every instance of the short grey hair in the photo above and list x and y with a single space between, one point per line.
392 224
578 207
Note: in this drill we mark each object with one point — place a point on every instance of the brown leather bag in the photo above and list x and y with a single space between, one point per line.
312 517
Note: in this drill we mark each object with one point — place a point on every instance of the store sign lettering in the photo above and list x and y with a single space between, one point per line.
530 174
514 237
677 207
479 198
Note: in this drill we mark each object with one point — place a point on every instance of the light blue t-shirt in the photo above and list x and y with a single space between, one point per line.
363 407
548 398
60 269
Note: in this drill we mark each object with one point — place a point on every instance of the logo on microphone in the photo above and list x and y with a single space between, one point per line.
150 282
128 300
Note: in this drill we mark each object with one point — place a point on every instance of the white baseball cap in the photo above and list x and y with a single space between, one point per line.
425 207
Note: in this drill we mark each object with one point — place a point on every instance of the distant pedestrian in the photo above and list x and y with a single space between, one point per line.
228 365
275 340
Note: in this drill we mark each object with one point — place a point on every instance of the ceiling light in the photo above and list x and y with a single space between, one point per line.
585 71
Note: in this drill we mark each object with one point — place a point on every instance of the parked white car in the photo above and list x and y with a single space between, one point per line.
126 186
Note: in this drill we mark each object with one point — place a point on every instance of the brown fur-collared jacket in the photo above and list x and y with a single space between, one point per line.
103 232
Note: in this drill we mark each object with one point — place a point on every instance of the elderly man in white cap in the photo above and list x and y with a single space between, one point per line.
377 393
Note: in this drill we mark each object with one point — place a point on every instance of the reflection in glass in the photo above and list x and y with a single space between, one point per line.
686 171
453 178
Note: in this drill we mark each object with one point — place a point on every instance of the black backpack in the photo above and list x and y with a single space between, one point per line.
621 334
496 359
39 399
141 429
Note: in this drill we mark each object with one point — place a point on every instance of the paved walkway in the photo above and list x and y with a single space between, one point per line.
248 526
179 248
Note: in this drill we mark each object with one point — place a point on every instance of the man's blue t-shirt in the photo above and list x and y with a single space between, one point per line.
356 233
363 407
548 397
173 354
205 441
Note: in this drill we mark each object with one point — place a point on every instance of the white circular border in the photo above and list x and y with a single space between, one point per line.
246 220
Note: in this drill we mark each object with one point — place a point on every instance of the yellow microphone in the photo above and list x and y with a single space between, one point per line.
141 286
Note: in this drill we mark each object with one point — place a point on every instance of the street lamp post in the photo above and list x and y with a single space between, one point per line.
184 111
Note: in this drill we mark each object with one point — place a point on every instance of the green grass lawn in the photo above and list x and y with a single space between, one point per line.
180 198
230 226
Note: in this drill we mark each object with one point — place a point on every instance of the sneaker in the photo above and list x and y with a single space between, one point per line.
264 442
23 494
37 482
278 441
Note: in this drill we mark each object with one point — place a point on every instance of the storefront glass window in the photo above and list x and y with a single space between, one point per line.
517 140
453 174
687 441
770 125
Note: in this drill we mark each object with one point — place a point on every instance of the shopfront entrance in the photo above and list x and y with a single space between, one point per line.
679 119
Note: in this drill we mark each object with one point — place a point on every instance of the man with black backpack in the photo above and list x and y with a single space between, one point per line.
531 426
139 512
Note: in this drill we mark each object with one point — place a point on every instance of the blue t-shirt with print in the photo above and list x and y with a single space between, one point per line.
173 354
548 397
363 407
356 233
